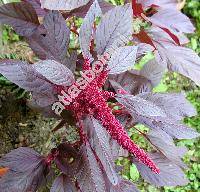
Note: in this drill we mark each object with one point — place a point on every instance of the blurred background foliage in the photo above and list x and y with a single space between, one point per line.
12 46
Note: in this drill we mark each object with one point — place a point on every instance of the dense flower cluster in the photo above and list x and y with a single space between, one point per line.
92 101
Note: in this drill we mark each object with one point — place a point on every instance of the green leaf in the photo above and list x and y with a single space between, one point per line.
134 174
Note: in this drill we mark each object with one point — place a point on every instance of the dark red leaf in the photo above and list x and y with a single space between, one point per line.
51 40
90 176
174 37
170 174
137 8
144 38
63 184
99 141
27 171
155 117
25 76
21 16
37 6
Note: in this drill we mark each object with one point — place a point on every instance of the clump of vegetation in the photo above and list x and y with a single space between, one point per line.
93 88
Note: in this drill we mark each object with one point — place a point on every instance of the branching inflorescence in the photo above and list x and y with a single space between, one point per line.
69 81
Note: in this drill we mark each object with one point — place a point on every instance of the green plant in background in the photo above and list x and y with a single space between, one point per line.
9 36
117 2
192 9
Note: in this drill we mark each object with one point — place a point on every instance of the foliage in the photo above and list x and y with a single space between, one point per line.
192 10
174 83
104 103
19 92
9 36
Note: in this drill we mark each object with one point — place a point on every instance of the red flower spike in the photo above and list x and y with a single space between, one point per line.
117 132
108 95
92 101
83 138
101 79
86 64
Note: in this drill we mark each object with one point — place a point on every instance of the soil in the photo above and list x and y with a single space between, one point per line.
21 126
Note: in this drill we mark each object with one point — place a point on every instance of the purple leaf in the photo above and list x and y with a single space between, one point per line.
170 174
158 35
182 60
117 150
99 140
143 48
182 24
119 20
140 106
38 44
131 82
21 16
86 29
175 105
124 186
37 6
170 126
90 177
122 59
167 4
82 11
55 72
51 40
105 6
63 184
22 182
164 143
153 71
66 152
44 99
176 58
26 170
21 159
57 37
25 76
63 4
147 113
